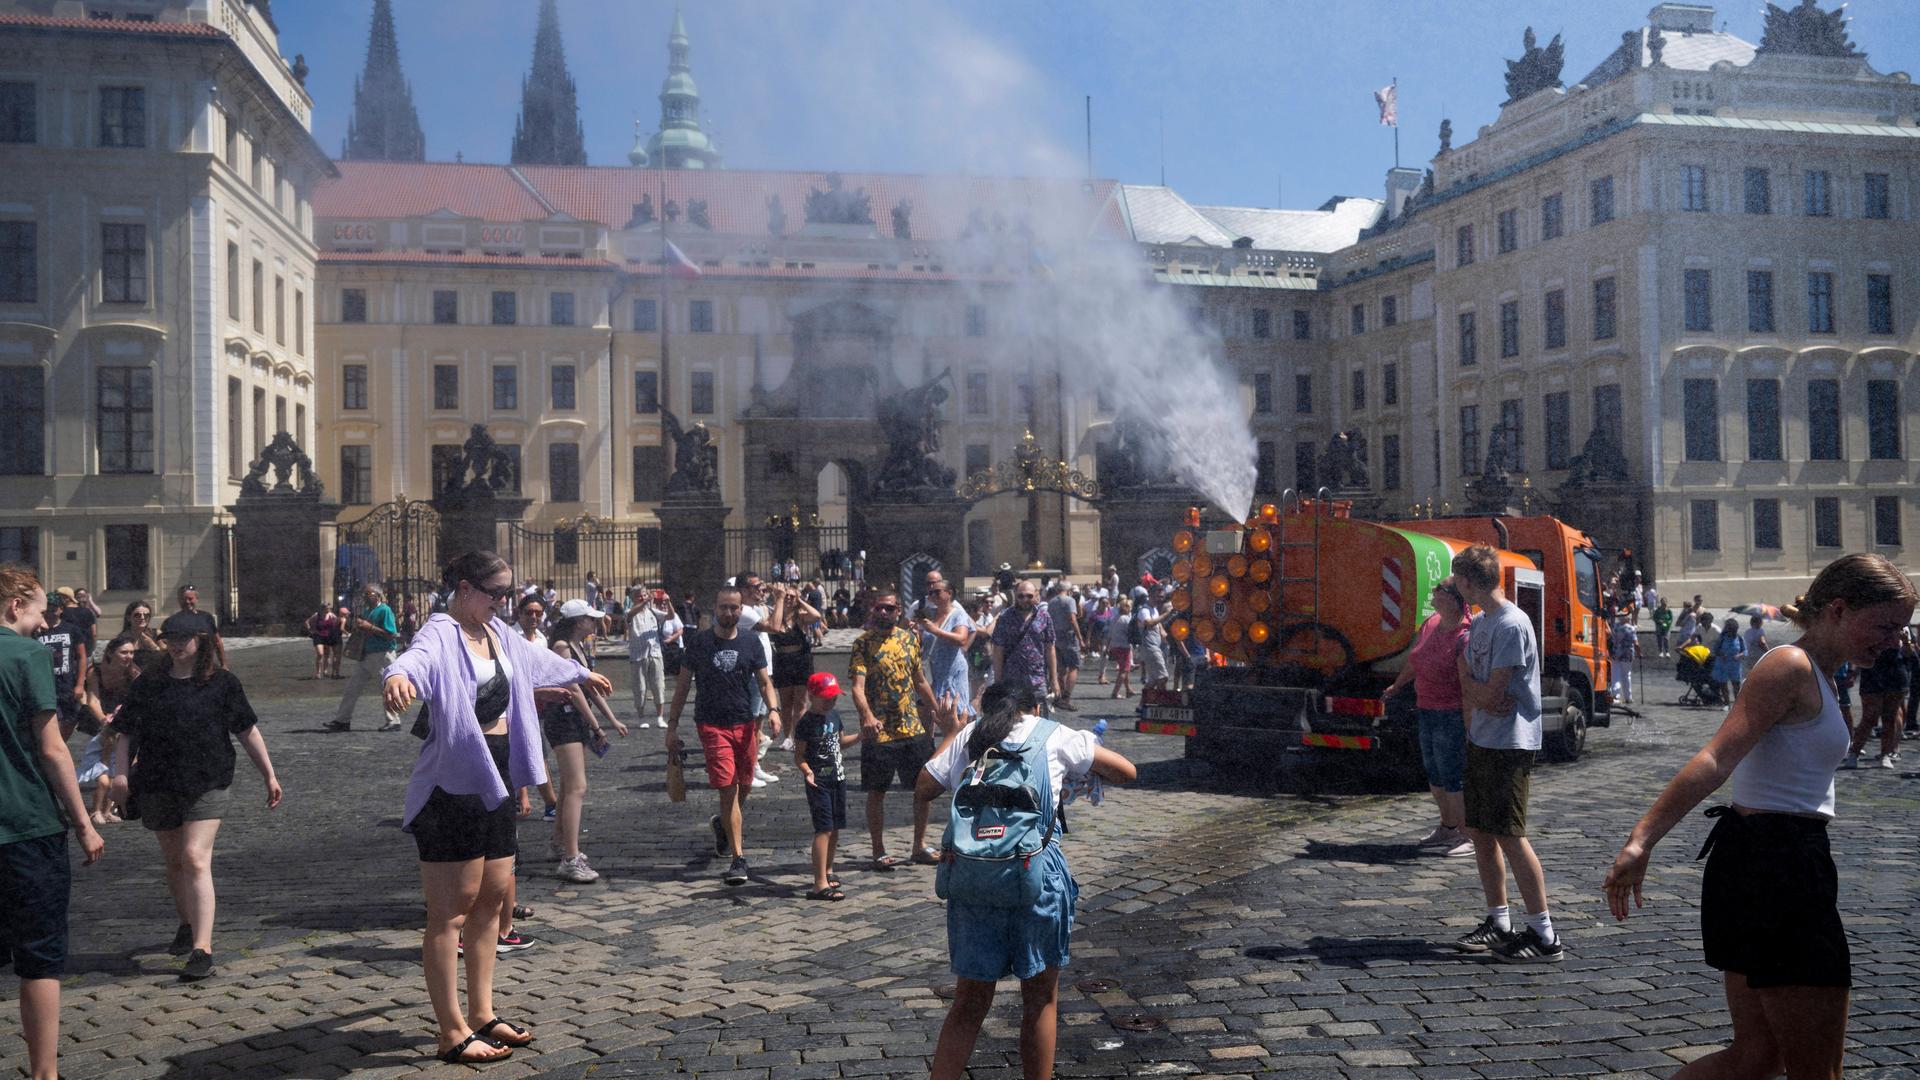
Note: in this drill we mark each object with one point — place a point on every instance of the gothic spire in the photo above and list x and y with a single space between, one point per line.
384 125
680 143
548 130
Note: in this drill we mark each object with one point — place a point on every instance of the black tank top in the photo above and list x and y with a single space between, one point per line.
490 698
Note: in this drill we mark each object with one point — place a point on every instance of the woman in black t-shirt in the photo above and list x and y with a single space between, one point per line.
177 727
792 654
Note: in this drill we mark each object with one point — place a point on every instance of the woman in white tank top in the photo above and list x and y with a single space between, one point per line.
1769 911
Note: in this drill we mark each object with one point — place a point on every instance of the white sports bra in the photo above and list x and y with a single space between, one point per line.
1790 770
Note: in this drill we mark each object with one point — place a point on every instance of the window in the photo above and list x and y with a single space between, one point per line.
353 305
1510 328
1390 383
446 386
703 393
1700 413
700 316
23 436
19 114
19 262
279 310
1102 401
1759 192
1883 420
1390 463
1262 322
976 320
1513 433
1469 440
1303 462
1262 393
233 281
446 466
979 458
1823 419
979 394
1469 349
506 386
506 308
1600 201
259 420
1760 301
1357 319
1706 525
127 547
1358 383
1693 188
649 473
1874 200
1886 521
356 475
1264 467
1023 392
1302 325
1463 246
560 382
300 425
1389 310
123 264
124 408
259 297
1819 302
1507 228
353 386
123 116
1606 413
1819 201
1557 410
1826 522
646 315
1552 217
1554 319
1303 394
1766 524
1603 309
1879 303
299 323
446 307
563 472
646 392
1763 420
20 544
560 309
1699 299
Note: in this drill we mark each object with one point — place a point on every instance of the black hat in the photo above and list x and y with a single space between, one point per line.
186 624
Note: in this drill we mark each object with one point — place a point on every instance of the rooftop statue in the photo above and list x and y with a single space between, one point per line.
837 205
697 213
642 212
1138 457
1344 466
1537 69
1806 30
776 216
696 461
902 222
1446 135
284 457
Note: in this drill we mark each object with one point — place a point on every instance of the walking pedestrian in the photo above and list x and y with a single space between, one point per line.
1433 669
1068 642
1099 619
1149 642
818 741
137 622
1022 640
478 678
1030 942
374 635
1754 637
1623 644
1662 626
1500 683
82 615
727 663
1689 624
1883 692
947 633
652 628
173 766
187 599
792 654
571 726
1120 635
323 629
1726 661
37 789
65 643
887 679
754 615
107 687
1769 898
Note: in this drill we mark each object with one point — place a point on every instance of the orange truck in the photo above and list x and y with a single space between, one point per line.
1307 614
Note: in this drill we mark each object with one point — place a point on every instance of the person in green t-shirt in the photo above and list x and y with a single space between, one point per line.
1662 624
36 786
376 627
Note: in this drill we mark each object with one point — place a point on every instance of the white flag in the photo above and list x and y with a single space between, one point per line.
1388 98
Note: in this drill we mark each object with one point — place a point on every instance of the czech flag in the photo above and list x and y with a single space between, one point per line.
678 264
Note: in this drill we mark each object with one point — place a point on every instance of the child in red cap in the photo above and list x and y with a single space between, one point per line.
817 740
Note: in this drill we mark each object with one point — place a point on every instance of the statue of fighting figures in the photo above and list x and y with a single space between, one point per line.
484 468
696 460
910 420
285 458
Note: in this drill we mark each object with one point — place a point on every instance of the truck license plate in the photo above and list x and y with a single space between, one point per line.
1169 713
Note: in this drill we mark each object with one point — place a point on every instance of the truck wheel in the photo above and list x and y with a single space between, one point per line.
1569 740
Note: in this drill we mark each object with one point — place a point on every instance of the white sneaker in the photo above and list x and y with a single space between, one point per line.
1886 761
576 870
786 744
762 776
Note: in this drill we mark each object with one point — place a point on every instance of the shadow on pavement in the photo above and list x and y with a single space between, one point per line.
374 1046
1356 952
1364 853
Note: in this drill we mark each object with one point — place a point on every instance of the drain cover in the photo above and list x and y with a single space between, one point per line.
1138 1022
1096 986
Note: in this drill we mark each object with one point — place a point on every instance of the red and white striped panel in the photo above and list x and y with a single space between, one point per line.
1391 594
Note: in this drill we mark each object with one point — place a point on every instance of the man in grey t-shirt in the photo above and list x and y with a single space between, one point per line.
1500 691
1067 641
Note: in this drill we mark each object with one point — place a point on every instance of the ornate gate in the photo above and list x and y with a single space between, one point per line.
395 545
617 554
822 551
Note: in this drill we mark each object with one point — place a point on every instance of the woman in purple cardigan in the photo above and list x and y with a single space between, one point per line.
478 679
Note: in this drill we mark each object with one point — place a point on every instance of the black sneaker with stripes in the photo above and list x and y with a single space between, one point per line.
1527 948
1484 937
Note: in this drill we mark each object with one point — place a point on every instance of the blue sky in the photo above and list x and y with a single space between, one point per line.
1255 94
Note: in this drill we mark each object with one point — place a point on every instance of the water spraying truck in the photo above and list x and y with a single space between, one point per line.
1307 614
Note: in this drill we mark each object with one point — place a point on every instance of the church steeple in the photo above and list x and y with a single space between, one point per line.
548 130
384 125
680 142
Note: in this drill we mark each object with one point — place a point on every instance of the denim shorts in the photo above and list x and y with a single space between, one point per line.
35 879
1443 747
988 944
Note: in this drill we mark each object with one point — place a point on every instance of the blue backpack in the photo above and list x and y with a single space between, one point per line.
999 821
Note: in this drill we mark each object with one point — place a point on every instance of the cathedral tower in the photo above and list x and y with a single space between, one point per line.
384 125
548 130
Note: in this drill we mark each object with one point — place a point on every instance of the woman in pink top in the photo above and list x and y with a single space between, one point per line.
1431 667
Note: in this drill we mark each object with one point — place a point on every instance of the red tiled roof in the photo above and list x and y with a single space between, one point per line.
49 22
444 259
404 189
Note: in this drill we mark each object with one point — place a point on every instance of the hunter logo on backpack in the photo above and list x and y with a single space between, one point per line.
999 822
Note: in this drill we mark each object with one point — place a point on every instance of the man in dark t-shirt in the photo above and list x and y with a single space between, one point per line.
730 667
67 643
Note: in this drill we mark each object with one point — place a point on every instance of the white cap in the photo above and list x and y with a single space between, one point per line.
575 608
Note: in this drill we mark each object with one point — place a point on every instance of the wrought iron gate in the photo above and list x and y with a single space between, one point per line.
822 551
617 554
395 545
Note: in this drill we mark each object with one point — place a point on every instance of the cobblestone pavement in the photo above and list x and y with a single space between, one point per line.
1270 929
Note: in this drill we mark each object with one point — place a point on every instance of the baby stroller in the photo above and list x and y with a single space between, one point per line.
1693 666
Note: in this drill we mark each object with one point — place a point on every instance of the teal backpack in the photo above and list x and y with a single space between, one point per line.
999 822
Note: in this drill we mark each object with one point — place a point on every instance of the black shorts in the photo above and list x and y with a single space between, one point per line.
35 880
881 762
1769 902
791 669
561 728
1496 784
460 828
1068 656
827 804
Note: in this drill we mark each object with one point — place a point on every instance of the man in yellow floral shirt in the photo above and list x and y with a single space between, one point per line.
887 677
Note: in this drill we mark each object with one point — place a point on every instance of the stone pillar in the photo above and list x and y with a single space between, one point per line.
278 570
693 546
1136 522
471 522
897 531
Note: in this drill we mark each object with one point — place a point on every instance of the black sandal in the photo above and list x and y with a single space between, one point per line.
828 893
521 1036
455 1055
521 911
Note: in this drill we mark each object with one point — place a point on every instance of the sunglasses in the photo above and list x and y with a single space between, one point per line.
886 607
500 593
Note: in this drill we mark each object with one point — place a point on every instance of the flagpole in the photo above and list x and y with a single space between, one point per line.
1396 121
666 382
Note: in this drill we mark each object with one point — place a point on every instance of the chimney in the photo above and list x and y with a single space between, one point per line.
1682 18
1402 183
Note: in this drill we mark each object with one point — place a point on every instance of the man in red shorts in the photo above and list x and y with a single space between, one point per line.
727 664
